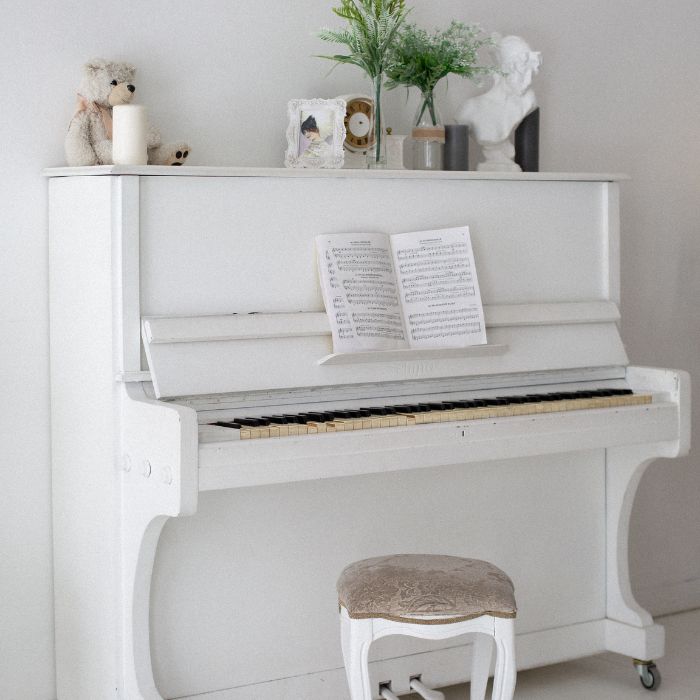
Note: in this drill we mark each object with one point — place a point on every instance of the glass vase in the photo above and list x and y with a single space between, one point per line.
428 135
376 155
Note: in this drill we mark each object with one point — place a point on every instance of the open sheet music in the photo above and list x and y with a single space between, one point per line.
406 290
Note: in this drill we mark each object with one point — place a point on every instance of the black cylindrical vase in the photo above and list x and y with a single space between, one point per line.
456 147
527 143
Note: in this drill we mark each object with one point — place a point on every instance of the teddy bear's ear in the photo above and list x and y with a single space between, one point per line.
96 64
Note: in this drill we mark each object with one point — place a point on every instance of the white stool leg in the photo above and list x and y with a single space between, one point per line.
481 665
356 637
504 676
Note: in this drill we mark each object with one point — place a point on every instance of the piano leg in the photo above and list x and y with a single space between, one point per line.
158 481
139 543
630 630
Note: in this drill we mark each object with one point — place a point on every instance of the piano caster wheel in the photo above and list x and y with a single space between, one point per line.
649 675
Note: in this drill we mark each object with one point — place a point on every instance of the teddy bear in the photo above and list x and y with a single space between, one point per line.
89 138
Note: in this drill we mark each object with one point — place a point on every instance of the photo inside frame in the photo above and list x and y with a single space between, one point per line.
316 133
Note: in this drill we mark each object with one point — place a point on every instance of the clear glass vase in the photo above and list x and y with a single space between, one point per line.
427 113
376 154
428 135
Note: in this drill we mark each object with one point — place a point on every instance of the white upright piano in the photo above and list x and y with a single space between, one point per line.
193 562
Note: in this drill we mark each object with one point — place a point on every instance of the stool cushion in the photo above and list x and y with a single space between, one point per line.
414 587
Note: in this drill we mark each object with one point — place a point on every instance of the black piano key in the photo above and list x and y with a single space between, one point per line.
294 418
304 418
281 420
317 417
227 424
252 422
507 399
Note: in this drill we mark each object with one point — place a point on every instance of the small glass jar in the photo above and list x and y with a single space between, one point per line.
428 148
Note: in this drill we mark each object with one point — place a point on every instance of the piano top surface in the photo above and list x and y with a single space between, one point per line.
233 171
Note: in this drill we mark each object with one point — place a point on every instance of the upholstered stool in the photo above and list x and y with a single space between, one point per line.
431 597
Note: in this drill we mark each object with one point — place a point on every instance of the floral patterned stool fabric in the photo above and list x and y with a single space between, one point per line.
433 597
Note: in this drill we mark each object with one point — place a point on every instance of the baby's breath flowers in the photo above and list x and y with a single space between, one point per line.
421 60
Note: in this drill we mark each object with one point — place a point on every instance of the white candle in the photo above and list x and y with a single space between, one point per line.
394 152
129 135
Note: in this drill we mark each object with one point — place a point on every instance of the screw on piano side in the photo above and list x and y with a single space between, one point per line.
649 675
146 468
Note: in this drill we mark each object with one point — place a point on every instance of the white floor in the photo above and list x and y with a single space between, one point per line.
613 677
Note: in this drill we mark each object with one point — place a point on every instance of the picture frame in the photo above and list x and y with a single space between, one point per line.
315 133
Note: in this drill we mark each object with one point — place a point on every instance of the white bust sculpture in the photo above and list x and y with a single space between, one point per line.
493 116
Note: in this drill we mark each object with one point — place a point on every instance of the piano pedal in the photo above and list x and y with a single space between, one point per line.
426 693
386 692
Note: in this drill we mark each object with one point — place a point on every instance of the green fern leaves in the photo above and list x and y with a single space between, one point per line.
372 29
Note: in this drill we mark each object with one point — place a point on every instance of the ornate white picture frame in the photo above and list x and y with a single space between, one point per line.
315 134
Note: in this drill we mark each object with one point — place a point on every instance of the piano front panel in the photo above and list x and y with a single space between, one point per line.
245 244
266 606
237 245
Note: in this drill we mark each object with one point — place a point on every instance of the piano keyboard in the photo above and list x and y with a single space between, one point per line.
372 417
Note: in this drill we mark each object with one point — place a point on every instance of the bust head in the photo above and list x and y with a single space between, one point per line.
518 62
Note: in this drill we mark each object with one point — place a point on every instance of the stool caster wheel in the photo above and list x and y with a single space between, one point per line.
649 675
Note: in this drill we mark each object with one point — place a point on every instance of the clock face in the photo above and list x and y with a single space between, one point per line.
358 124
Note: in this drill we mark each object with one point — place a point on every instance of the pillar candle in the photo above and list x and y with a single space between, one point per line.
394 152
129 135
456 147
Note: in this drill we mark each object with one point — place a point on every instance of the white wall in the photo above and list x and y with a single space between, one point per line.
618 91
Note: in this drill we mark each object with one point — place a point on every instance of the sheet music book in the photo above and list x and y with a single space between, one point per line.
405 290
